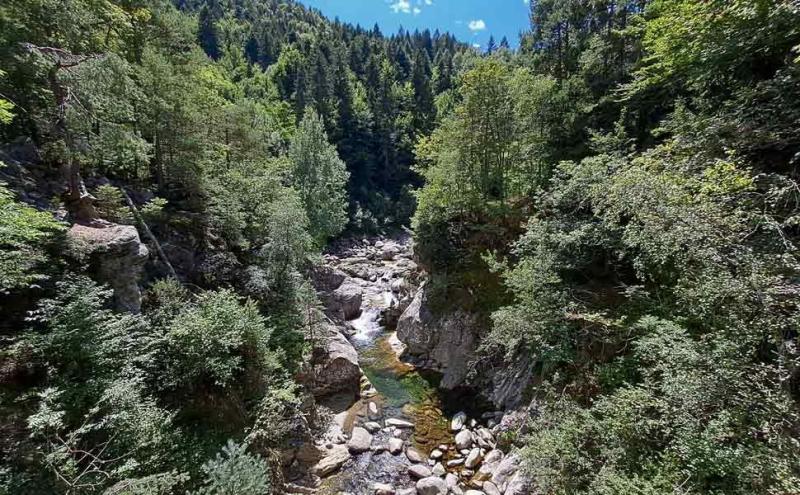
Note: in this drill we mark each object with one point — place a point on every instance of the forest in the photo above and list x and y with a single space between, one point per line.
613 206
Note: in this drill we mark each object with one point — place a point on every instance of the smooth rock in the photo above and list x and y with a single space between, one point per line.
455 462
372 426
436 454
399 423
457 423
332 461
451 480
419 471
414 455
348 297
506 470
372 410
474 492
360 440
491 489
464 439
473 459
431 486
438 469
395 445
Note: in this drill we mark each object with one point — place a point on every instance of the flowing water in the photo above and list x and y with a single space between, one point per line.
403 392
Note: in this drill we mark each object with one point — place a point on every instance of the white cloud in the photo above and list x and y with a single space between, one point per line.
428 2
476 25
417 10
403 6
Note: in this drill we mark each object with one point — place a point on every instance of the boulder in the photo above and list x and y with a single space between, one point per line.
506 469
360 440
395 445
414 455
347 299
464 440
117 255
473 459
372 426
326 278
446 344
419 471
334 361
431 486
332 461
458 421
490 489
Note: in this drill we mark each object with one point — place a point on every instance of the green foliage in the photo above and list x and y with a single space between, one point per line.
25 235
319 176
111 205
235 472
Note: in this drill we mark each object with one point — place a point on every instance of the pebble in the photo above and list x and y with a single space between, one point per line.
458 421
455 462
464 440
438 469
372 426
437 454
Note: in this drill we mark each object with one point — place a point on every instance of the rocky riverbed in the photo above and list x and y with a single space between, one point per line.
390 432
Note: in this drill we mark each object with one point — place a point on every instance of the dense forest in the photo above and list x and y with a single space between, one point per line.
615 203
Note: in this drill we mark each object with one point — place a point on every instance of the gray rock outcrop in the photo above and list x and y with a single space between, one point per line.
116 255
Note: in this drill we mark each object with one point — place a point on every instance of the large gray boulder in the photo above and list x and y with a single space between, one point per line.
347 299
334 361
117 255
445 343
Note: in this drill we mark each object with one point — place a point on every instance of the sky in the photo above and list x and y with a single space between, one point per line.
471 21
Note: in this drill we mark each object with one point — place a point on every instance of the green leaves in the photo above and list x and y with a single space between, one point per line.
25 234
320 178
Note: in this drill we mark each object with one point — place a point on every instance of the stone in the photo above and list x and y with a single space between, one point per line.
438 469
118 255
464 439
455 462
419 471
458 421
407 491
399 423
372 410
506 469
447 343
347 298
519 485
360 440
326 278
332 461
451 480
491 489
372 426
414 455
334 360
474 492
432 485
383 489
436 454
473 459
395 445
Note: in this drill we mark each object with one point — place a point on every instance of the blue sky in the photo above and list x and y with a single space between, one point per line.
471 21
